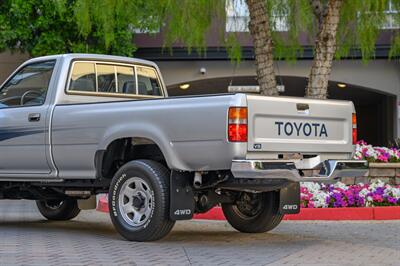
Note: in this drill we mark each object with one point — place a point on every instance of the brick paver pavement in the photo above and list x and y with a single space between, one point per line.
27 239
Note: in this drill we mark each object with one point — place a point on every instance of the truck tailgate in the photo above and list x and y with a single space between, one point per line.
292 125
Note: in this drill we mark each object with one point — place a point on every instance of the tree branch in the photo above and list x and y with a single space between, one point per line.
319 10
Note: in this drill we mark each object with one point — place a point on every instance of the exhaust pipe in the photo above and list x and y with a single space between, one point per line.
198 179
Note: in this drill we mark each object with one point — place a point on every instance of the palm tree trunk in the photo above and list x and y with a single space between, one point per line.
325 48
261 32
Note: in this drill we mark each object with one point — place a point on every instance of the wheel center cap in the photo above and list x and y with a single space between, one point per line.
138 201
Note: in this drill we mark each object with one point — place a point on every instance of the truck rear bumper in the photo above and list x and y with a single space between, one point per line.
329 170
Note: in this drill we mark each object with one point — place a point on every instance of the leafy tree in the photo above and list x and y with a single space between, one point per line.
342 25
186 22
113 22
43 27
107 26
337 26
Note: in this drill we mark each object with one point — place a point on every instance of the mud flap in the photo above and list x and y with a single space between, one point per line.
289 200
87 204
181 196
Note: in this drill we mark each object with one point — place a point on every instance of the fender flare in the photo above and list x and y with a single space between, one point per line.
146 131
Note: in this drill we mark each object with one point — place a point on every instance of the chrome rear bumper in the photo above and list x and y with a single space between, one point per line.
329 170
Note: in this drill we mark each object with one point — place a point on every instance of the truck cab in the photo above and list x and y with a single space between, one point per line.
29 97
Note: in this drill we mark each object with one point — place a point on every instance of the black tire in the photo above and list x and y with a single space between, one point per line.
153 200
259 217
58 210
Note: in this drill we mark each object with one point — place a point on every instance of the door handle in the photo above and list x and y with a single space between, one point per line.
34 117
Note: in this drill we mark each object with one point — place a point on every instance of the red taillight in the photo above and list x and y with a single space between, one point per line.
237 133
354 136
237 124
354 128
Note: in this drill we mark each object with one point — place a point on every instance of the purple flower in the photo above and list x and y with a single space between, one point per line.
392 200
350 200
360 202
380 190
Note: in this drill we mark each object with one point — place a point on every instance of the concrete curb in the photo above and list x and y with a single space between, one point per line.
325 214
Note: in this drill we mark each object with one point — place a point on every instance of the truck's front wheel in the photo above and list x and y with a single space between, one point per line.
139 201
58 210
253 212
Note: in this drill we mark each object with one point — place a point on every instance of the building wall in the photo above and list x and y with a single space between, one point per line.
381 75
9 62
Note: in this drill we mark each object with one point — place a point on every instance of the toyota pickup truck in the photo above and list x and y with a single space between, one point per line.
76 125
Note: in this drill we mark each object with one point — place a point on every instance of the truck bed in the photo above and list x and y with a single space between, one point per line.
192 131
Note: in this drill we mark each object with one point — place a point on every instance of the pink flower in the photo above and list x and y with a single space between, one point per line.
305 197
362 142
338 189
303 190
383 158
377 198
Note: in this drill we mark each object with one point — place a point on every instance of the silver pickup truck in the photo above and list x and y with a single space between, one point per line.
76 125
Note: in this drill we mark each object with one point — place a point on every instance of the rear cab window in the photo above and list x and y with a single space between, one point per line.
148 83
126 79
118 80
106 81
83 77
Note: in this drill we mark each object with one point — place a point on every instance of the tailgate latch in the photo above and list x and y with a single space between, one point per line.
303 108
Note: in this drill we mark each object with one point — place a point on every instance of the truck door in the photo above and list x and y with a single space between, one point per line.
23 109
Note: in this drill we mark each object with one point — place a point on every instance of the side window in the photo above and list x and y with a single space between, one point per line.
126 80
148 83
28 86
83 77
105 78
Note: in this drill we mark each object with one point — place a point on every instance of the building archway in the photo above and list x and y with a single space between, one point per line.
375 109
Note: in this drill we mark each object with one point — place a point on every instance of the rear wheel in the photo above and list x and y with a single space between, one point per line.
253 212
139 201
58 210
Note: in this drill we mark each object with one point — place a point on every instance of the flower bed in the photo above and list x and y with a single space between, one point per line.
384 163
376 154
314 195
